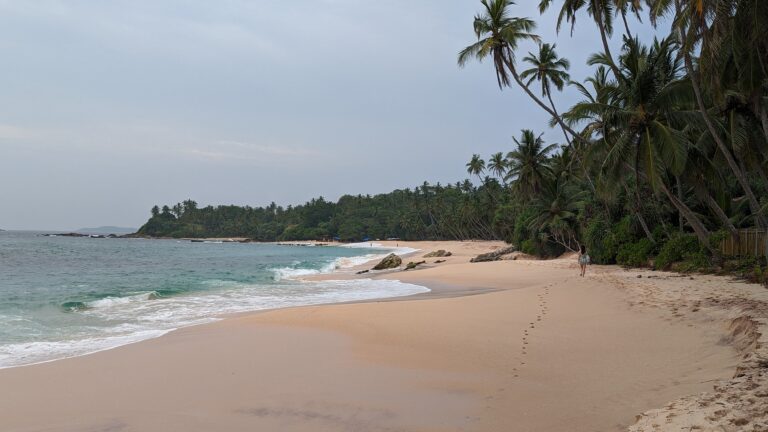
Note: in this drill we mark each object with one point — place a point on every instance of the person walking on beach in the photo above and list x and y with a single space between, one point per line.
583 259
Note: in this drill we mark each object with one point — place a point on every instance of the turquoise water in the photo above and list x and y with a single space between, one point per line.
62 296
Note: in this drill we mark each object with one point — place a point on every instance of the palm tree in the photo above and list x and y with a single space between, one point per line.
528 164
556 208
497 164
498 36
550 70
476 166
709 22
601 13
646 112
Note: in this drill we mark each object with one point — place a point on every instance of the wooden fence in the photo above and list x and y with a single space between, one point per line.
751 242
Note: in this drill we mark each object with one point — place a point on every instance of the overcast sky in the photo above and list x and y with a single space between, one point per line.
107 108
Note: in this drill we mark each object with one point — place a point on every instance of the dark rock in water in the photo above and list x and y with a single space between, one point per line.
438 254
65 235
412 265
389 262
363 271
493 256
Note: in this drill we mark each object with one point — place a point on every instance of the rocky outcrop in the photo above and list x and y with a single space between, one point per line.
412 265
438 254
494 256
389 262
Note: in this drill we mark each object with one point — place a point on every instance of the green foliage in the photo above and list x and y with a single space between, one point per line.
684 249
529 247
428 212
617 244
635 254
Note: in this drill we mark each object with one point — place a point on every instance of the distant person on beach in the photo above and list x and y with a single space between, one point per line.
583 259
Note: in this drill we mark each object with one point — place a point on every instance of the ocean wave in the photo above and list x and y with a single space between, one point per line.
109 301
135 318
22 354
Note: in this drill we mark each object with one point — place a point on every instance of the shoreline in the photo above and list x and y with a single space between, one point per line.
403 341
132 339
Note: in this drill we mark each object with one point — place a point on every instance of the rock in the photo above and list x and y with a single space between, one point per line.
65 235
493 256
438 254
639 276
439 261
363 271
389 262
412 265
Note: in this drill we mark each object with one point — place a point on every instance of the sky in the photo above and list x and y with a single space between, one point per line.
108 108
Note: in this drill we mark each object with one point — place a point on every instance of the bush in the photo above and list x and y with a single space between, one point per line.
682 248
635 254
605 243
529 247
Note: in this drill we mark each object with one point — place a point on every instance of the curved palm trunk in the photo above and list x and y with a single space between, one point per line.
718 211
764 122
740 176
570 144
680 197
604 38
638 215
698 227
539 102
552 104
626 25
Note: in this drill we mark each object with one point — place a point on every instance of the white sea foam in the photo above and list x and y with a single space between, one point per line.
142 316
19 354
369 245
116 301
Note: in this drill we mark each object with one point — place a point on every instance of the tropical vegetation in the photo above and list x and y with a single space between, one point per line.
664 155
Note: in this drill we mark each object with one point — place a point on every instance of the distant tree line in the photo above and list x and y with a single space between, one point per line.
427 212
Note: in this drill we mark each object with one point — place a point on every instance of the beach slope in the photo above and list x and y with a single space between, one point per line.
508 345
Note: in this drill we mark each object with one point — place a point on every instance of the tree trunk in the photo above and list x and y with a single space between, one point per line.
638 214
692 73
764 122
604 37
718 211
539 102
680 197
570 144
698 227
552 104
626 25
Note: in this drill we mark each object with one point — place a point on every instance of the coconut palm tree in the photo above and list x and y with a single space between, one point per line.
549 70
476 166
649 107
556 208
498 37
497 165
528 164
708 23
601 12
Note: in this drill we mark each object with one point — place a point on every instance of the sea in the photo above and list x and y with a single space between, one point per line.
62 297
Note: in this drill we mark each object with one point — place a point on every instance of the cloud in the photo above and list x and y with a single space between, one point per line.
228 150
12 132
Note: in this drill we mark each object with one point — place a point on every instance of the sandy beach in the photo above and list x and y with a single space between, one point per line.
518 345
